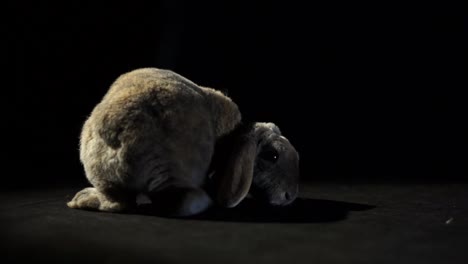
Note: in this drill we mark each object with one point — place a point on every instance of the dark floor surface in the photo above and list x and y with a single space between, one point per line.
330 223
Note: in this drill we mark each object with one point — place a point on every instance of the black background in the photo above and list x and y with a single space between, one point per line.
365 91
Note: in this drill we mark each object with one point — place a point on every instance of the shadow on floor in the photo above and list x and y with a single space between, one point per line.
303 210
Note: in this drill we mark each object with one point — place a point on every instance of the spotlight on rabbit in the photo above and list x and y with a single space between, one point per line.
182 145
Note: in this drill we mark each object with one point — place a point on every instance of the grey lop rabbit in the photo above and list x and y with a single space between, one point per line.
183 146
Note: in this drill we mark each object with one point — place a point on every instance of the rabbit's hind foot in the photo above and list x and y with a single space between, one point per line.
91 199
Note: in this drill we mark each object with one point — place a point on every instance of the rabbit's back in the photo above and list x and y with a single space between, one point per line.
151 127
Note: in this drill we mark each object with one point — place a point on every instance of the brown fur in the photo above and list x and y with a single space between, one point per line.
155 130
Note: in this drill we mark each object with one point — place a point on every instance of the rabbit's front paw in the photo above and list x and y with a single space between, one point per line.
180 201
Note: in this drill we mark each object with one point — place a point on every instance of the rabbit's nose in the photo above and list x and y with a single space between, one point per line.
291 195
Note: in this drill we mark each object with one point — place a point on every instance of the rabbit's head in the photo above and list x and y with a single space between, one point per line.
262 163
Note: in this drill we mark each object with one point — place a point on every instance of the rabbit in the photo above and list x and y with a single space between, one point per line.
183 146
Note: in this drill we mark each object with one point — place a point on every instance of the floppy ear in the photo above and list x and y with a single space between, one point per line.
271 126
233 183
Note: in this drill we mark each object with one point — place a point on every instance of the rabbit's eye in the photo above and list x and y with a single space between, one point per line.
269 155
